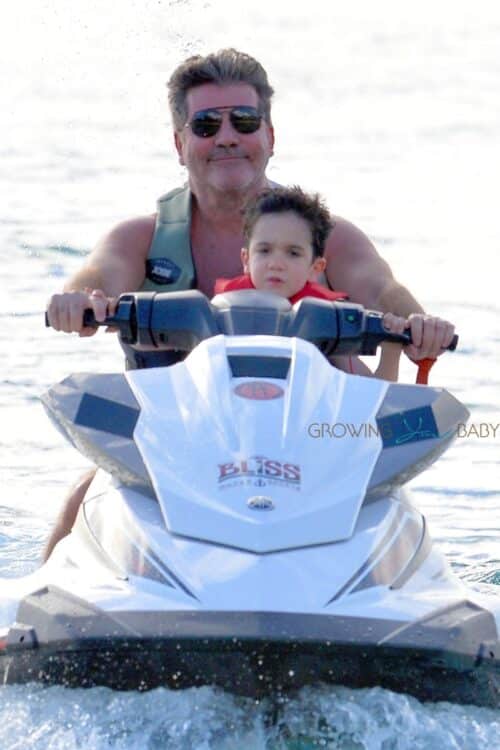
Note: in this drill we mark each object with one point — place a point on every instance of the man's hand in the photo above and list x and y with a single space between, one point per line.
430 336
65 311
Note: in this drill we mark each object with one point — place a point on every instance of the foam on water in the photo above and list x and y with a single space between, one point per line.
209 719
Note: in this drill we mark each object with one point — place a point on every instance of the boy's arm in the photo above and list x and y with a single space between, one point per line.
387 369
388 366
352 365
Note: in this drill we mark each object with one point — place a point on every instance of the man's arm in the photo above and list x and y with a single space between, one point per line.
116 265
355 267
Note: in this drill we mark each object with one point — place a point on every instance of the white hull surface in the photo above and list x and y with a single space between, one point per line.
248 528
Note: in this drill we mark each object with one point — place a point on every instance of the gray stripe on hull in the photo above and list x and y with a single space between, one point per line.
401 550
371 559
423 550
131 557
168 572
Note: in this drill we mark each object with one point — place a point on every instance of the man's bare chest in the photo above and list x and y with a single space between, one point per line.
213 259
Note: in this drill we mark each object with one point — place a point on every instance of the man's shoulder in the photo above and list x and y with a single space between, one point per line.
347 236
136 224
129 236
354 265
135 227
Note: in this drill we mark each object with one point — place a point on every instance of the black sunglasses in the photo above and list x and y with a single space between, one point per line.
206 122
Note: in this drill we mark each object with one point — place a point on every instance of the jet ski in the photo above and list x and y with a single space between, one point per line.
249 526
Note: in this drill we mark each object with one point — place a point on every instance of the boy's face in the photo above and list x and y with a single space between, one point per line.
280 255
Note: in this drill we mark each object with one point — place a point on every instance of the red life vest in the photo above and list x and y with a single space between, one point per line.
310 289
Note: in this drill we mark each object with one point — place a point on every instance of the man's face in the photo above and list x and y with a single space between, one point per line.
279 258
229 160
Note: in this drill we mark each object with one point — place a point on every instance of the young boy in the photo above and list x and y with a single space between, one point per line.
285 231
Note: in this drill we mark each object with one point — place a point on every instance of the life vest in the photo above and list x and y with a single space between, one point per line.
169 264
310 289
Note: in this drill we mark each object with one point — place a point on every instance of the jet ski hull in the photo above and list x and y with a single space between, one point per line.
452 655
234 537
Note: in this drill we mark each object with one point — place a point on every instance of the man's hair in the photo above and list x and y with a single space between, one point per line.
308 206
224 67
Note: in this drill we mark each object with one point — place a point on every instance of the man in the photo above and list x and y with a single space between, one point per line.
220 106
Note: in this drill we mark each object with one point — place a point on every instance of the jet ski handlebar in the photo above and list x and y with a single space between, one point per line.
180 320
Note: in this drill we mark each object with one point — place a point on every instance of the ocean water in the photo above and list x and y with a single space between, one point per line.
392 112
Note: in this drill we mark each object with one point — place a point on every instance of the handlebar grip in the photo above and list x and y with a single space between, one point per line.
405 339
89 320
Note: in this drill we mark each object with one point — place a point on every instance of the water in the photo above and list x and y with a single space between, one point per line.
393 115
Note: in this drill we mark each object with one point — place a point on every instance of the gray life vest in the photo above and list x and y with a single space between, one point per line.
169 265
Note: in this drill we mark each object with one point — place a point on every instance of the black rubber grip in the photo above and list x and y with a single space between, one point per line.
405 339
89 320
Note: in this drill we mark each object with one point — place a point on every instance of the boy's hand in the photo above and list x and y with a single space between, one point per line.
395 324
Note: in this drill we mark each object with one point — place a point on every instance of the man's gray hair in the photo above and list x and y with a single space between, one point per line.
224 67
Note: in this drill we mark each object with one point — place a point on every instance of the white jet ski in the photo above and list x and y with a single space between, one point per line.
248 525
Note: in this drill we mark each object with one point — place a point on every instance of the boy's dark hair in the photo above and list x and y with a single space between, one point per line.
223 67
308 206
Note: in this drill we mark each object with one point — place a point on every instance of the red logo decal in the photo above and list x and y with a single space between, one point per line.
259 390
259 471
